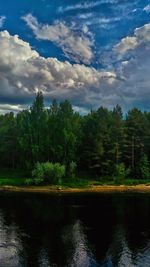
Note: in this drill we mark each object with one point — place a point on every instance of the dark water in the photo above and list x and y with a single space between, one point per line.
77 231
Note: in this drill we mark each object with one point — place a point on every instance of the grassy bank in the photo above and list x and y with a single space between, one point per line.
18 179
15 178
76 183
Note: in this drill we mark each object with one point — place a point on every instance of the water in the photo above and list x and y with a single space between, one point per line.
74 230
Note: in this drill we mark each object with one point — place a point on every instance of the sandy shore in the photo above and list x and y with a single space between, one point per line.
92 189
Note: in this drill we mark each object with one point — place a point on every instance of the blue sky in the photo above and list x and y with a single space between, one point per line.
90 52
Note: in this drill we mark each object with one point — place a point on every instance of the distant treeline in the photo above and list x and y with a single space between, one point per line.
101 143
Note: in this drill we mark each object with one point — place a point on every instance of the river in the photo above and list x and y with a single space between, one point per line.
77 230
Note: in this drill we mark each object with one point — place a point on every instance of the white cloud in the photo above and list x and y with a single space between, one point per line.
85 15
135 70
147 8
136 76
6 108
140 36
143 33
81 110
23 72
76 46
85 5
126 44
103 22
2 21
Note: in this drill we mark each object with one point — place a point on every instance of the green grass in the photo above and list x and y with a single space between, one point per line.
76 183
17 178
136 181
10 181
127 181
12 174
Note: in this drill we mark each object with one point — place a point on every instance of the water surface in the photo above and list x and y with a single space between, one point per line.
87 230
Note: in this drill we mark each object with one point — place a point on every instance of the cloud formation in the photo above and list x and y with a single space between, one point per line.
135 70
23 72
85 5
141 35
147 8
6 108
76 46
2 21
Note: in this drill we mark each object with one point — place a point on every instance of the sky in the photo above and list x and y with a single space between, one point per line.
93 53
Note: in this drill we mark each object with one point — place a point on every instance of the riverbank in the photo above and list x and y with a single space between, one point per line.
142 188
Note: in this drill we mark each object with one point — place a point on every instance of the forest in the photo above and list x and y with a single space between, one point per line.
102 144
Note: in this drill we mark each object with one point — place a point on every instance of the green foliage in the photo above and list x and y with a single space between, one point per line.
12 181
120 174
38 171
75 183
29 181
38 175
120 170
136 181
144 168
48 172
93 144
72 169
35 181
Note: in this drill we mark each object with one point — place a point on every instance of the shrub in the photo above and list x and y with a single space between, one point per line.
35 181
58 172
29 181
38 171
38 181
48 172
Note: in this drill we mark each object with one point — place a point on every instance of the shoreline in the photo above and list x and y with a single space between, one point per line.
142 188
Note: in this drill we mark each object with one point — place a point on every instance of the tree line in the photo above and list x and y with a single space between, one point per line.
101 143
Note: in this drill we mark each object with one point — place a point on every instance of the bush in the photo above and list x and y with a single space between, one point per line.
35 181
38 172
38 181
29 181
48 172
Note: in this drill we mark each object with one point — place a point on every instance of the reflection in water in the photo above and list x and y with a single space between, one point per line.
123 254
10 245
74 231
43 259
82 256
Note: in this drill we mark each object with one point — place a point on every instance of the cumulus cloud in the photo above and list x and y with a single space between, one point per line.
141 35
23 72
135 70
75 46
136 75
126 44
2 21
